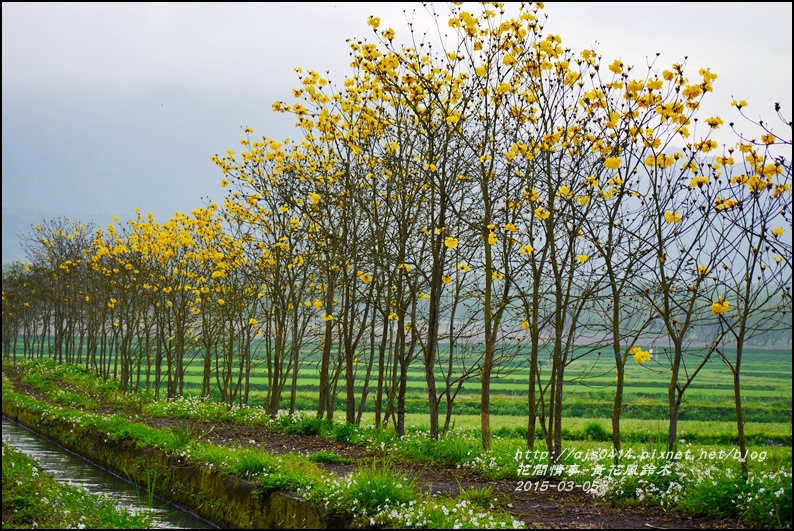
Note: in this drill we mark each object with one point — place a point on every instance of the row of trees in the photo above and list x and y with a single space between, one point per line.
463 203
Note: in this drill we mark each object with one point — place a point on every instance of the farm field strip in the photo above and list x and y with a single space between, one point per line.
757 388
304 382
472 422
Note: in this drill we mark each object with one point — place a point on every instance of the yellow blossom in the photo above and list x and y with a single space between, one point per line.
450 242
393 316
661 160
525 325
670 217
640 356
582 258
253 321
616 66
446 279
533 195
327 317
698 181
714 122
719 307
463 268
726 204
526 249
613 163
778 232
492 238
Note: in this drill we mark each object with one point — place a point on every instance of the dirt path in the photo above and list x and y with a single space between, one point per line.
549 509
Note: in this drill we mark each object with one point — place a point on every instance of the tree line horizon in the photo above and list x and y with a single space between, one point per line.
487 183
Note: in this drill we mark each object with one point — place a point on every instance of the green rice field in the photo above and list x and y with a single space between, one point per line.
589 390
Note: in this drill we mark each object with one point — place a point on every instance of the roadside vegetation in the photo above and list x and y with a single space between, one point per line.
704 480
33 499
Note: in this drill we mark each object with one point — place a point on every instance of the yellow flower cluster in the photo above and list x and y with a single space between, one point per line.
720 307
725 204
640 356
671 217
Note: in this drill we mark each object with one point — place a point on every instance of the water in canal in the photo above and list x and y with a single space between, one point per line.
72 469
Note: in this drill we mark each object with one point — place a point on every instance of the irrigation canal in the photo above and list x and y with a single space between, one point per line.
72 469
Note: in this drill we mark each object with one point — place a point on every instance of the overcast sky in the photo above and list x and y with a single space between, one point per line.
112 106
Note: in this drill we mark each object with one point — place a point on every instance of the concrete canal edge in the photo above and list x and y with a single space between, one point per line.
223 499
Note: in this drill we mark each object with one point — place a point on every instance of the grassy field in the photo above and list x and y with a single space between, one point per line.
589 391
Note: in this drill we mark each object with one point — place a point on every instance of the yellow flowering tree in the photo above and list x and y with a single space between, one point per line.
266 205
752 296
665 191
60 247
634 200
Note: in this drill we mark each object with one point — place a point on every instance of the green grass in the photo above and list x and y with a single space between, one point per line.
766 389
631 429
324 456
